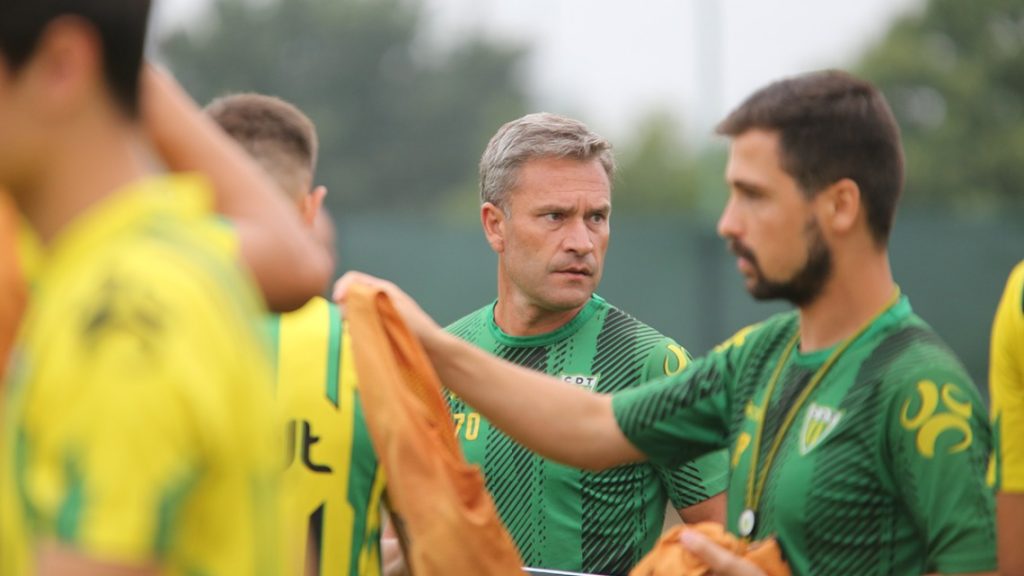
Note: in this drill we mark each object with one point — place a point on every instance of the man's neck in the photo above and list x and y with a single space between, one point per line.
517 316
852 297
81 170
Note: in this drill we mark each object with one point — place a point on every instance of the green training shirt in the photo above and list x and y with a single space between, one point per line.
560 517
883 468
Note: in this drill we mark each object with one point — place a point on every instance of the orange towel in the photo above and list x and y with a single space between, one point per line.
669 558
12 282
446 517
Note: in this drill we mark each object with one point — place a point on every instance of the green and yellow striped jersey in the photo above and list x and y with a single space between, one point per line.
333 484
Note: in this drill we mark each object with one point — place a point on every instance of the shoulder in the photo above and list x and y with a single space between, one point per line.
193 266
912 350
922 382
775 328
1017 277
472 321
617 321
660 354
1013 296
169 281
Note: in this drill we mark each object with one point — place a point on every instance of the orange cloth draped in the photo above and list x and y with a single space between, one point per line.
446 517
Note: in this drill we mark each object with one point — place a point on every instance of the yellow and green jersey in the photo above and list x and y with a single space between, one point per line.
1006 384
568 519
333 484
138 406
880 471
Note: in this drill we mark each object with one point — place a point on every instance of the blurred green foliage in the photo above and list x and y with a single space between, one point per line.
657 172
401 124
953 73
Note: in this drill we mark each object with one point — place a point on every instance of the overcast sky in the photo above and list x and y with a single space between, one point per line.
610 61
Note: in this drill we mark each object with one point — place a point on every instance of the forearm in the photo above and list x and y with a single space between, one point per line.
553 418
286 260
1010 528
61 560
711 510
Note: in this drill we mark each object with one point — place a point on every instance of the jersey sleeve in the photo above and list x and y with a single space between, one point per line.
1006 384
937 449
695 481
675 419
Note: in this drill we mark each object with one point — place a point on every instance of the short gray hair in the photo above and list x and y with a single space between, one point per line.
540 135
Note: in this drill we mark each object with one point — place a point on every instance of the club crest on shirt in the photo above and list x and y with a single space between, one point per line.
585 381
819 422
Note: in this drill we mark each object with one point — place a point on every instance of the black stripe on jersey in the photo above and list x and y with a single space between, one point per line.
511 468
689 485
534 358
855 518
622 348
670 400
514 471
796 379
759 367
613 523
851 534
469 328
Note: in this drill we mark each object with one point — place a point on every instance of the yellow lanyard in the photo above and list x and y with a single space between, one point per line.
748 518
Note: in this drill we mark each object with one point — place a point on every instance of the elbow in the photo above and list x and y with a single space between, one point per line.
289 285
603 460
303 279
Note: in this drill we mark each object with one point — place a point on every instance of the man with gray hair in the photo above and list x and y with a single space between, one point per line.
545 186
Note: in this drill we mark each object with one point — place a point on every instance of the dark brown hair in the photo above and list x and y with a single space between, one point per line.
120 24
831 125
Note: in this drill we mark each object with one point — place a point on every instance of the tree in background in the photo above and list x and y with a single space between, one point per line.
657 172
401 126
954 77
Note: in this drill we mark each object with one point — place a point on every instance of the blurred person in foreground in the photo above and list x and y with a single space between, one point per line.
546 205
137 429
12 279
1006 386
332 484
857 438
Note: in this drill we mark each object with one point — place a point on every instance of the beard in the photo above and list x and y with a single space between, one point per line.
806 284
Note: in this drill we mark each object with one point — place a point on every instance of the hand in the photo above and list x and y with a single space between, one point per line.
721 561
421 324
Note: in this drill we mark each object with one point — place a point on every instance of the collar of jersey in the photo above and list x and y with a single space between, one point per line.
899 311
581 318
124 209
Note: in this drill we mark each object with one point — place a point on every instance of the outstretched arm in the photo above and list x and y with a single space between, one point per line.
287 261
554 419
60 560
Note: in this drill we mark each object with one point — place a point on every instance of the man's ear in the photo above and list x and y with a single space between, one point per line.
312 203
840 206
68 65
492 218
